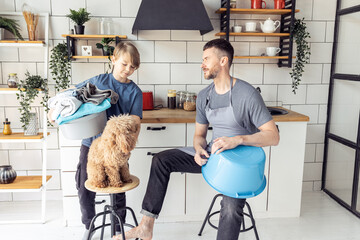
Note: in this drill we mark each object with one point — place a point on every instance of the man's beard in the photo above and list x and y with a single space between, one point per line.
212 74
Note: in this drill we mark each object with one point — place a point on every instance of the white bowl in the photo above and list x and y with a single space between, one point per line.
84 127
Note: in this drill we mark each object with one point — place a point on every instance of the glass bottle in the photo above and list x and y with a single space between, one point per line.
7 128
190 102
171 100
180 99
12 80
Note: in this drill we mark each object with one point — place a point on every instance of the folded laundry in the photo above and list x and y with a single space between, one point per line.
85 109
64 104
90 93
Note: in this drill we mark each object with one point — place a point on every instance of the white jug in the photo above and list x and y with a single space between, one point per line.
269 26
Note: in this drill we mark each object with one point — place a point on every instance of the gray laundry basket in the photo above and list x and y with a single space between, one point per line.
84 127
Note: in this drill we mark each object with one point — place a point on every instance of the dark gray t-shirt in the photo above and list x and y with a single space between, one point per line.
249 108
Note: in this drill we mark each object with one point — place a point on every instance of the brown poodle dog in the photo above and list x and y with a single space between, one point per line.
108 155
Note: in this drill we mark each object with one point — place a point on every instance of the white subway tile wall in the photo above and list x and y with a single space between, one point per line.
171 59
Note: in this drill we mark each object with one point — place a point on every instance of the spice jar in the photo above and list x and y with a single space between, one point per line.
7 128
13 80
180 99
190 102
171 101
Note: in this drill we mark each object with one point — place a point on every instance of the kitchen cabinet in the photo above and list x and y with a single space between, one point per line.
29 183
189 196
287 21
71 38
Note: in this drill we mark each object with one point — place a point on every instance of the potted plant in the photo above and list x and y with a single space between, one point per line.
60 66
10 25
28 90
79 17
105 46
300 35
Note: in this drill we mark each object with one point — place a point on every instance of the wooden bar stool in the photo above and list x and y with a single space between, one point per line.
111 209
244 229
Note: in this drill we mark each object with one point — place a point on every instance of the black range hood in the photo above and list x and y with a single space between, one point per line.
172 15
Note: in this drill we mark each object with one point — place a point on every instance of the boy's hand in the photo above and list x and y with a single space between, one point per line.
49 114
201 157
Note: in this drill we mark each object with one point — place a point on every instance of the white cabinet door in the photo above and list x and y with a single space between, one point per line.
190 131
286 170
162 135
174 203
68 184
69 158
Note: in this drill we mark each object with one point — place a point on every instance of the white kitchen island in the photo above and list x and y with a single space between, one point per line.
189 196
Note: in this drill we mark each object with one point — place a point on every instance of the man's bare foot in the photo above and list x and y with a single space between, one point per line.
144 231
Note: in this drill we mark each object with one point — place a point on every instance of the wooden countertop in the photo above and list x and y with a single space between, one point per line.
166 115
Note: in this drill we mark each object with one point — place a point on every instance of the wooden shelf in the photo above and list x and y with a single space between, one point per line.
20 135
14 90
25 182
254 34
261 57
256 11
90 57
93 36
14 43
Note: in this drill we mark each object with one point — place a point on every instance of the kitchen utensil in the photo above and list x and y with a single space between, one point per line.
257 4
237 28
279 4
238 172
272 51
250 26
148 100
269 26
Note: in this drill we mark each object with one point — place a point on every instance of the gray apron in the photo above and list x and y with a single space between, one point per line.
222 120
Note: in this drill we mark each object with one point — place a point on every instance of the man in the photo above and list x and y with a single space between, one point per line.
238 116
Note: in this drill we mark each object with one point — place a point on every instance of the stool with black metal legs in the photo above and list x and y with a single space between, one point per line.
111 209
244 229
236 173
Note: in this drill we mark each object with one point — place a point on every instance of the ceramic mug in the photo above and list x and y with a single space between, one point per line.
250 26
257 4
279 4
237 28
272 51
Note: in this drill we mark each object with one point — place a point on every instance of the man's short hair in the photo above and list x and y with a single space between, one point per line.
223 46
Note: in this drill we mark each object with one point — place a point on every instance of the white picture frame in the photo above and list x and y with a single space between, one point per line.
86 50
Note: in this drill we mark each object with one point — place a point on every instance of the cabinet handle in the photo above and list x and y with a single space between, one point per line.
210 128
156 128
101 202
277 126
150 153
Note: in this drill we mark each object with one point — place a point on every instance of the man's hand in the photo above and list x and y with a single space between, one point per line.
199 157
224 143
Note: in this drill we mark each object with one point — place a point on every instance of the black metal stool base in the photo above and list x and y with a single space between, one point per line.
110 209
250 215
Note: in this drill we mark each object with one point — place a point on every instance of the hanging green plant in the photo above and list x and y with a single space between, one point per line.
29 89
60 66
300 35
107 50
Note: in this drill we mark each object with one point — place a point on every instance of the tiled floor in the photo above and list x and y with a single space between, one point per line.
321 218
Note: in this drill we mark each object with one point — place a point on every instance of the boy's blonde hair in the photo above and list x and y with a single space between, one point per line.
127 47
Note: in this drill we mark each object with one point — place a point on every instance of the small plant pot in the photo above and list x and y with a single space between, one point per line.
106 53
32 129
7 174
79 29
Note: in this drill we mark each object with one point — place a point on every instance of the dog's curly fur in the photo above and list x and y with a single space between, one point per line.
108 155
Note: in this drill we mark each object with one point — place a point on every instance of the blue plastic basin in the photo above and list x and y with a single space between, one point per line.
238 172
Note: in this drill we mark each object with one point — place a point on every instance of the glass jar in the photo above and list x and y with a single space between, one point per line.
171 100
7 128
190 102
180 99
12 80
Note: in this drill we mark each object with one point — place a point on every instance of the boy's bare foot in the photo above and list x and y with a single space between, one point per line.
144 231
